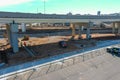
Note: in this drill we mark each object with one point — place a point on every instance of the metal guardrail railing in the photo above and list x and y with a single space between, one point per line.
29 51
44 66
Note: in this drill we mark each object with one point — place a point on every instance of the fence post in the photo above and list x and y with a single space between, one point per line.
92 55
62 63
31 74
48 68
73 60
83 57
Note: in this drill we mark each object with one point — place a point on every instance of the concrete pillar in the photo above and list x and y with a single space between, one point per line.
30 25
12 30
119 28
88 33
113 28
80 33
23 27
63 24
88 36
82 28
37 25
8 33
73 31
14 36
117 25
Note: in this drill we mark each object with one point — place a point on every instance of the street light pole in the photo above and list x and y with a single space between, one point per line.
44 6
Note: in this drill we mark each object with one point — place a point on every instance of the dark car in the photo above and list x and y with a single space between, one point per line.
63 44
114 50
109 50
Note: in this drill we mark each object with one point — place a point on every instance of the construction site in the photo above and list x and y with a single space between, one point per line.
59 40
38 43
43 43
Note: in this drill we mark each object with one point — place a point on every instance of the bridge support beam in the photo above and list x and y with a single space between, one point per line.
73 31
113 28
88 33
30 26
8 33
12 30
88 36
118 25
23 27
63 25
80 32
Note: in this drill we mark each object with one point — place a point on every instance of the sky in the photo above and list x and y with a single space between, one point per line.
61 6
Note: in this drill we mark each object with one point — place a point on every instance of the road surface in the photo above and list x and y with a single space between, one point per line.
104 67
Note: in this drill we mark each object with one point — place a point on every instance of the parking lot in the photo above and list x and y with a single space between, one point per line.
103 67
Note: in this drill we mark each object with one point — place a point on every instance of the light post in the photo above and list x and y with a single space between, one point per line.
44 6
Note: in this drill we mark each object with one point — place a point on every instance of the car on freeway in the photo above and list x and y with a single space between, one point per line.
115 50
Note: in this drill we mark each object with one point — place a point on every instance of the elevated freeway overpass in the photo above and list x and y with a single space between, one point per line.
60 19
8 17
12 20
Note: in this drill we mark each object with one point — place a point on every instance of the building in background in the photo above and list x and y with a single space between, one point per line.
99 13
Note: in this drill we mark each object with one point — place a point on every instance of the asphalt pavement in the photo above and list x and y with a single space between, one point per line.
104 67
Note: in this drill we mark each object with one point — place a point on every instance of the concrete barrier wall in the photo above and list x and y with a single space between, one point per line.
38 71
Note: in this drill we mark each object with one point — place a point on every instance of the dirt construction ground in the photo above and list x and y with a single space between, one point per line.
48 46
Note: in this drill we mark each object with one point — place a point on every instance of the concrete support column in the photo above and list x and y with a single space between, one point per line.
30 25
14 36
23 27
119 28
37 25
63 24
73 30
117 25
8 33
113 28
88 33
12 30
80 33
82 28
88 36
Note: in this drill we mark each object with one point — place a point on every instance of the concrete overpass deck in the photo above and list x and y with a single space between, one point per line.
35 20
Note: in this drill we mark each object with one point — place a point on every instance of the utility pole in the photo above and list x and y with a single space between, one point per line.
44 6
